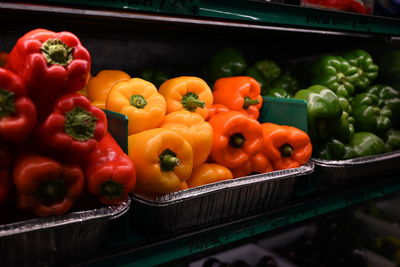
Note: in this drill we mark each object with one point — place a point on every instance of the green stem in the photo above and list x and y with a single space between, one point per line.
191 101
51 191
237 140
7 105
138 101
111 189
80 124
56 52
286 150
168 160
249 102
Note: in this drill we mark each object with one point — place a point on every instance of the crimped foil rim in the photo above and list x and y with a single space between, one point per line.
104 213
172 198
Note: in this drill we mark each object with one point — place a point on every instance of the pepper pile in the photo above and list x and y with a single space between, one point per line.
54 144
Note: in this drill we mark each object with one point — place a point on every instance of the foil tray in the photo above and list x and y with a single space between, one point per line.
57 240
215 202
335 174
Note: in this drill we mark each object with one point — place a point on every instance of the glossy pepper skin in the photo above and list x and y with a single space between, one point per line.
73 129
323 108
371 114
208 173
389 98
287 82
6 162
392 140
163 161
366 144
278 92
46 186
18 113
226 63
336 73
236 138
110 173
51 64
333 149
140 101
100 85
187 93
264 71
194 129
343 129
367 69
240 93
285 146
257 164
216 109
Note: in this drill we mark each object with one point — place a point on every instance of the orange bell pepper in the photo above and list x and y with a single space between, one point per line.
163 161
216 109
208 173
186 92
240 93
257 164
192 127
236 138
285 146
184 186
140 101
100 85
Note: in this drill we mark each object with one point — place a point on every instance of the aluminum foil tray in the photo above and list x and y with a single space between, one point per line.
215 202
57 240
334 174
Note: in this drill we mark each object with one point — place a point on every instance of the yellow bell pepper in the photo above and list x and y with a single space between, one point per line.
208 173
163 161
140 101
100 85
187 92
194 129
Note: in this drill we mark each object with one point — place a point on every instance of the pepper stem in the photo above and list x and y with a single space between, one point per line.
168 160
138 101
286 150
56 52
80 124
191 101
249 102
111 189
237 140
51 191
7 106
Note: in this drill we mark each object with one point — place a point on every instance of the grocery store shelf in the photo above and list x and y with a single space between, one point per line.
150 251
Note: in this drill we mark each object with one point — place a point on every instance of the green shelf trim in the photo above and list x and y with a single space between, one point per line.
215 237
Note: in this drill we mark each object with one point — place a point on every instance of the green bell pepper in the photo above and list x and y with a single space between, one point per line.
392 140
370 113
331 149
366 144
154 76
226 63
323 108
367 69
336 73
264 71
343 129
278 92
287 82
389 97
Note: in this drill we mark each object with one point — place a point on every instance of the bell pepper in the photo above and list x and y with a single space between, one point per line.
366 144
17 111
140 101
3 58
46 186
264 71
73 129
333 149
240 93
285 146
392 140
184 186
216 109
390 98
51 64
343 129
163 160
286 82
208 173
278 92
100 85
156 77
367 69
194 129
371 113
110 173
344 5
257 164
236 138
187 93
323 108
6 163
83 91
227 62
336 73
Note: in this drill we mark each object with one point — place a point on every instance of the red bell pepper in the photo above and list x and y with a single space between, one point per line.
6 161
73 129
51 64
17 112
110 173
46 186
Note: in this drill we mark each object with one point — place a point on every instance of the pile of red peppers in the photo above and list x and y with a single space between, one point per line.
54 145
